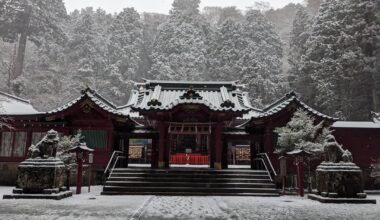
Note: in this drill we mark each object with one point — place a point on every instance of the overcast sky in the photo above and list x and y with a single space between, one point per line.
162 6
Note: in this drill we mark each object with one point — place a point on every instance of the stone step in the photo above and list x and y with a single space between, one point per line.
192 175
189 184
190 194
191 180
188 189
189 170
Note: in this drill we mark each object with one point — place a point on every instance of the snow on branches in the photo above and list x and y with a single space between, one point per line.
301 132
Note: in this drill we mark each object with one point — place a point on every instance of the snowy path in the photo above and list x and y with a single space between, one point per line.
93 206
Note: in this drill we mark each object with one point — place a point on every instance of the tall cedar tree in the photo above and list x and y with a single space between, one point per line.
336 62
297 48
23 20
180 50
125 50
261 59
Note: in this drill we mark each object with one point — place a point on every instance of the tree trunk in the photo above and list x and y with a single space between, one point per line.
19 63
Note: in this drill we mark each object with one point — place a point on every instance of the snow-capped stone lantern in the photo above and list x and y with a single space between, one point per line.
41 175
82 152
338 178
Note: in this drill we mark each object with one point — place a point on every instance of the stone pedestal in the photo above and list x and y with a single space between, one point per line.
40 179
340 183
342 179
40 175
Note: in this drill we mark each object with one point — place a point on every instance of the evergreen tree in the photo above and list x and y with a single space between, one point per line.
124 52
181 45
261 59
297 43
87 51
226 51
33 20
301 132
338 62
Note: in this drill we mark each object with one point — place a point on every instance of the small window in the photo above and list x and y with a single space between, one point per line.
13 142
20 144
94 138
6 144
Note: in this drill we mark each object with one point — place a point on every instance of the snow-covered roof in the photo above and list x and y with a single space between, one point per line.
165 95
285 101
355 124
376 117
13 105
279 105
96 98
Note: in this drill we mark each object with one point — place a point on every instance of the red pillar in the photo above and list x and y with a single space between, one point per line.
161 145
218 146
79 175
252 151
154 154
299 177
268 143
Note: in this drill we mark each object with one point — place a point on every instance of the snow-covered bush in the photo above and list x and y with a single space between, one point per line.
301 132
64 144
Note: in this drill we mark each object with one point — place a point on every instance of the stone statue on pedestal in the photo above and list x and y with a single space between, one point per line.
42 174
338 176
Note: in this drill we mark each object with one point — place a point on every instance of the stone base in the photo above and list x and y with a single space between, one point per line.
339 180
36 175
340 200
55 196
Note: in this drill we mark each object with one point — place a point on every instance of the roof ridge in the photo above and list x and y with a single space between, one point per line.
287 96
15 97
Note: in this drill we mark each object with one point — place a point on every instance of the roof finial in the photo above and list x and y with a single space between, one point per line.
87 89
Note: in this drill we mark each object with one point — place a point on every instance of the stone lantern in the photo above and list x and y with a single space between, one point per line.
81 151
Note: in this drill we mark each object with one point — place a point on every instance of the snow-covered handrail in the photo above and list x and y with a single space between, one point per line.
265 159
112 160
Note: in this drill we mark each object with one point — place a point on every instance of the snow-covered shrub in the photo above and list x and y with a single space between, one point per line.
64 144
301 132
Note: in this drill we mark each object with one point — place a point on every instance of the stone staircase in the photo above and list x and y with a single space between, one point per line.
189 181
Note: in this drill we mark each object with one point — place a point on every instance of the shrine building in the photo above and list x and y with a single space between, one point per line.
165 124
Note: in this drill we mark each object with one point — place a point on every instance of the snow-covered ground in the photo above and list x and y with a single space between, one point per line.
93 206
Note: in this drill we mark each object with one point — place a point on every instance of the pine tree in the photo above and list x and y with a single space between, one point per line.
261 59
301 132
181 45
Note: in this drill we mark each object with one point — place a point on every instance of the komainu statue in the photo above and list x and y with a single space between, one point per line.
46 148
41 175
334 152
338 176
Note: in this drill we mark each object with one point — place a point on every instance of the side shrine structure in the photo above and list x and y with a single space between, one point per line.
164 123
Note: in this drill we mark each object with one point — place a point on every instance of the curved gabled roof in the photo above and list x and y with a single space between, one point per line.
96 98
282 104
13 105
165 95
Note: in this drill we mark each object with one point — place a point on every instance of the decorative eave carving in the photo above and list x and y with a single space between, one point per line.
227 104
154 102
191 94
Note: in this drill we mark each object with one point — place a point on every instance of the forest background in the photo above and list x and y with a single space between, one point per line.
328 51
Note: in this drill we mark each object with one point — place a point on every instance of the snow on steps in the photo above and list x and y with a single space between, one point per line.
233 182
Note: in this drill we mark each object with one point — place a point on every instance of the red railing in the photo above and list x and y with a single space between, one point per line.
182 158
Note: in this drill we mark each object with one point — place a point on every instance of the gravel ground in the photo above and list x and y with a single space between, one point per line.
93 206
